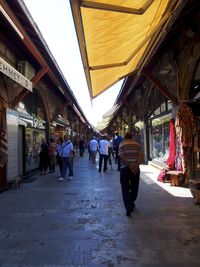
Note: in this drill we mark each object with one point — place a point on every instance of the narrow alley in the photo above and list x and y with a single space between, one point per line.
82 222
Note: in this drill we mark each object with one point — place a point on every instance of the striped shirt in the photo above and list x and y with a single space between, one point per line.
130 150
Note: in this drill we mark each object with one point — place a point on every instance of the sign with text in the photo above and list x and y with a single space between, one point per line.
15 75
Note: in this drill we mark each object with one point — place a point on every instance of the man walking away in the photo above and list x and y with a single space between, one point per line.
131 156
104 145
67 158
94 146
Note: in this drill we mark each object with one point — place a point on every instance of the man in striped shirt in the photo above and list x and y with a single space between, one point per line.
130 158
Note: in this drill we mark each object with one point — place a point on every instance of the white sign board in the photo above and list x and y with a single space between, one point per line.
15 75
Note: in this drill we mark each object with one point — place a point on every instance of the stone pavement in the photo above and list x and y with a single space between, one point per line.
82 222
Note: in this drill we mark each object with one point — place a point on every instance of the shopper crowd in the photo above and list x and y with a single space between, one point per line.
126 153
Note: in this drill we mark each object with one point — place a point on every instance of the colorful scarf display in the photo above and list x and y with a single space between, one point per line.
172 145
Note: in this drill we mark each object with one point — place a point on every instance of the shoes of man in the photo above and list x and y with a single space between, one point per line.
128 213
133 206
61 179
70 177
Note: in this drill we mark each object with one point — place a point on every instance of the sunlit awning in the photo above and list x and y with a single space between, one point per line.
116 37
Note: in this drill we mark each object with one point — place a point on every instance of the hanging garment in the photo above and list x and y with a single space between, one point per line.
185 125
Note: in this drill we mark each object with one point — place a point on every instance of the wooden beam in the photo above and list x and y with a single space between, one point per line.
39 75
59 110
160 86
115 8
19 97
24 92
146 99
127 105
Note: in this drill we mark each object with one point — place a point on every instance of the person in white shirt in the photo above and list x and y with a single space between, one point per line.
67 158
94 146
104 146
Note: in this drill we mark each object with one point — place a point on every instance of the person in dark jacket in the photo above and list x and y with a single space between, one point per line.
81 147
44 157
116 142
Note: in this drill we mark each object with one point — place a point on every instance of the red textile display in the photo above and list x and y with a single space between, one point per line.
172 146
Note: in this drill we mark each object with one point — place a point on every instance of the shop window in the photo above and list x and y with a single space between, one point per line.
197 144
160 142
169 105
163 107
157 141
33 140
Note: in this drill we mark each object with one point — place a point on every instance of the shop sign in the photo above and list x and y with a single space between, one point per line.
37 123
15 75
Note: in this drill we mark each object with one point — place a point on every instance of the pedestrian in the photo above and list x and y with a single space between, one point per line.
104 146
130 155
52 156
43 157
110 154
81 147
116 142
59 153
89 151
94 147
67 158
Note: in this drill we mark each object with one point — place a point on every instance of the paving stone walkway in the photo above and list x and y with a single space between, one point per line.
82 222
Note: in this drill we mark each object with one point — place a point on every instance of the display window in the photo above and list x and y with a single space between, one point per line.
33 140
160 142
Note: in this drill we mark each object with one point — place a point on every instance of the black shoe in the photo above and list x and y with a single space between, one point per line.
132 207
128 213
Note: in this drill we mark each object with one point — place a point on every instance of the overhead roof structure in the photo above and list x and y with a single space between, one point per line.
116 37
107 117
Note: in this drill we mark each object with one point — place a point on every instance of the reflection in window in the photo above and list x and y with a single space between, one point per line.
32 148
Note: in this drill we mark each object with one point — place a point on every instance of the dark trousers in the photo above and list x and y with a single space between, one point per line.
81 151
117 159
103 159
129 186
44 159
67 163
52 163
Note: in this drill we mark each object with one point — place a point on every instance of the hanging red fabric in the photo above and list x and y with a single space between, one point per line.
172 146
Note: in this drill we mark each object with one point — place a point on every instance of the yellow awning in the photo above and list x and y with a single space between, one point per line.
116 37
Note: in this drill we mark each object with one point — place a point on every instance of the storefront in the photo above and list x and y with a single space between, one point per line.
33 130
159 133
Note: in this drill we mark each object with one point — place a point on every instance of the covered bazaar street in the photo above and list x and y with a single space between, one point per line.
82 222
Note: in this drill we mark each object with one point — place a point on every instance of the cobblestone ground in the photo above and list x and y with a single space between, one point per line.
82 222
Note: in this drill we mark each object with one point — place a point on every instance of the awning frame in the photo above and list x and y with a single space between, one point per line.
151 38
